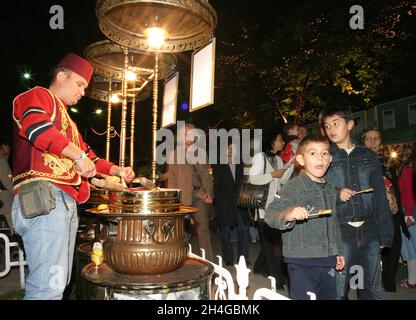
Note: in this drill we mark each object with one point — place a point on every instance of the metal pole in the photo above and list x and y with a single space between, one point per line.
133 112
107 147
124 111
154 127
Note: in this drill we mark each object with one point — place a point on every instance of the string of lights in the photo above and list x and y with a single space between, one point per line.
118 135
112 135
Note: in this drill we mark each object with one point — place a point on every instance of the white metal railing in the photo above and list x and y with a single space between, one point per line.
8 263
269 294
225 288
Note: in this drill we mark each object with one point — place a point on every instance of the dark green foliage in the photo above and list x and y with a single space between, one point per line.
288 59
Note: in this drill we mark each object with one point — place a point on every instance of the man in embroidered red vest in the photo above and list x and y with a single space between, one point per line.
47 146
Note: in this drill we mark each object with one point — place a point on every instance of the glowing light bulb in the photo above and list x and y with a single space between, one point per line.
115 98
131 75
155 37
98 111
74 110
27 75
393 154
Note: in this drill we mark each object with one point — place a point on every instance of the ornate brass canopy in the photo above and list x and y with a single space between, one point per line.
107 59
98 89
189 23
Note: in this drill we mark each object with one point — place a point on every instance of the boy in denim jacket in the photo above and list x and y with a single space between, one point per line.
310 246
362 209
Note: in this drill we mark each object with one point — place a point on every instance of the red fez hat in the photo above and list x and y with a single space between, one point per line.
78 65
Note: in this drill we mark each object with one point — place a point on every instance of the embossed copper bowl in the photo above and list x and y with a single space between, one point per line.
151 238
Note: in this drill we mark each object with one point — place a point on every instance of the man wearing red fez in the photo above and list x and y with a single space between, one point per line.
51 164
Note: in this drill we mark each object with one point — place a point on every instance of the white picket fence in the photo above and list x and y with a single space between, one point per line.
8 259
225 288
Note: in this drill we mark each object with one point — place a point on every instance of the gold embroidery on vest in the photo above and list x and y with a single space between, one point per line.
45 175
59 166
75 135
66 121
47 178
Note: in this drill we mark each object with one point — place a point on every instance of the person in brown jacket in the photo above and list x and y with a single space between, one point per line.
197 187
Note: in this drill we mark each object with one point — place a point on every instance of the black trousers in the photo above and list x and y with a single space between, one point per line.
270 260
390 257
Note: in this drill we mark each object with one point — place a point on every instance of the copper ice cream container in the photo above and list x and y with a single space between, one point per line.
150 232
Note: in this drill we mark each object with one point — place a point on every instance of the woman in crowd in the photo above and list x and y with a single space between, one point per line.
390 256
228 179
267 167
407 191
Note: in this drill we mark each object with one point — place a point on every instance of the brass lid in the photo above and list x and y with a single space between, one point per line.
189 24
98 90
142 202
107 59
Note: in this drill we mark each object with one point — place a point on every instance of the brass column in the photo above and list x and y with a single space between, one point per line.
154 126
107 147
133 112
124 110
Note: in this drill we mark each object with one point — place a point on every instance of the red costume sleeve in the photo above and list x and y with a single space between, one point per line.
33 110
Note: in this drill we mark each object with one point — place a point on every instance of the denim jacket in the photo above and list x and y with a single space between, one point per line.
357 171
312 238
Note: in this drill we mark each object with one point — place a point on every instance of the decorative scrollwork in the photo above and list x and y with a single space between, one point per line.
167 229
150 229
59 166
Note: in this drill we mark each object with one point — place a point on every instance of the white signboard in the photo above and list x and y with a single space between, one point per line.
170 95
202 77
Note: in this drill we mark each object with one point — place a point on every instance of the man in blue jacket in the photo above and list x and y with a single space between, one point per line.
362 209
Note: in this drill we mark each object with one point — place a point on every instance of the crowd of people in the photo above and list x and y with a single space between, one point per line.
370 197
337 209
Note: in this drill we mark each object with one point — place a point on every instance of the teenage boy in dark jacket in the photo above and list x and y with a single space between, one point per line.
365 220
311 248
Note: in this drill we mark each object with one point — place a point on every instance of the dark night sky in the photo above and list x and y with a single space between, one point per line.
29 44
